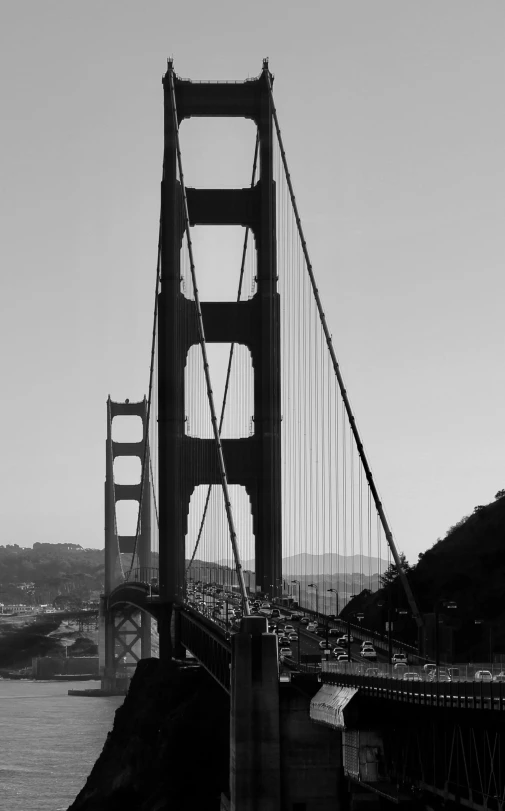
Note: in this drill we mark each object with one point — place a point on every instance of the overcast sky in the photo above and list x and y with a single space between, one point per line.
393 119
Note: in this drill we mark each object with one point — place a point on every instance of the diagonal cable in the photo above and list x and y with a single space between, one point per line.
203 347
336 368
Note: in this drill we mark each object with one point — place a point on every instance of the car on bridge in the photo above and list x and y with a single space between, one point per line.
284 640
285 651
368 653
483 675
293 637
323 644
399 657
289 629
338 651
312 626
412 676
343 657
304 621
443 675
500 676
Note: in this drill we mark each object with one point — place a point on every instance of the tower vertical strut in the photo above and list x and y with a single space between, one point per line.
187 461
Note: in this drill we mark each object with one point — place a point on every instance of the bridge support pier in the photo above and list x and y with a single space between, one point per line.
254 729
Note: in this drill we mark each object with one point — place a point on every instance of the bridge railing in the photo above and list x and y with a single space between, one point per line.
148 575
467 672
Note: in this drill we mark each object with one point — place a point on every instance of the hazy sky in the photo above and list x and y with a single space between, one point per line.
393 119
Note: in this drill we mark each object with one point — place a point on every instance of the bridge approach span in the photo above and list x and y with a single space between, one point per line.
204 639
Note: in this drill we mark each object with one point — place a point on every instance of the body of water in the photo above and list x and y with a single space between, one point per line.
49 742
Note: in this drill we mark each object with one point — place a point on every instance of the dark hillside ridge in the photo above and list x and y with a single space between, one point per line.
467 567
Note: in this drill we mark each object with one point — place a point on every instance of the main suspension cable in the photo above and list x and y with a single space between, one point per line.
343 392
148 414
203 346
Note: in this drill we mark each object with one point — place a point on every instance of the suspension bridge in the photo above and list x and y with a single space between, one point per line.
254 473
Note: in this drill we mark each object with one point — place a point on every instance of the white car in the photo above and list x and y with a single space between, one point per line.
368 653
289 629
483 675
293 637
285 652
343 657
312 626
399 657
411 677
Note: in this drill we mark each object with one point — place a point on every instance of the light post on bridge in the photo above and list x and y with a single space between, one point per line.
335 592
440 601
299 592
358 616
316 587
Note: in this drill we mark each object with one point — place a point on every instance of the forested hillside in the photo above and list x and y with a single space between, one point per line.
40 574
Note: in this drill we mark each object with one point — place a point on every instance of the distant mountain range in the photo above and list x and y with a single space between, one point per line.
327 564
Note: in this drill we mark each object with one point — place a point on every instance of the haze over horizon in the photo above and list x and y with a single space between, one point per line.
394 133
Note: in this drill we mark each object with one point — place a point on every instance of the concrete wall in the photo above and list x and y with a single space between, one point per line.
45 667
311 754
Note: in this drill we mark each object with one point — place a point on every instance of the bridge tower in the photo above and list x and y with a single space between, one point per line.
186 462
125 636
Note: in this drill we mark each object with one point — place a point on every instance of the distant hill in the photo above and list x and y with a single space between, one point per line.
327 564
40 574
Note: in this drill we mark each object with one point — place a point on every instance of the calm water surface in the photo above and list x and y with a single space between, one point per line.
49 742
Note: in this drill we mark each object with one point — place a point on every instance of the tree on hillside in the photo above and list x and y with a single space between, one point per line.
390 575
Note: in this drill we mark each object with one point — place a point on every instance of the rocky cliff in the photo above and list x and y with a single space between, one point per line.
169 746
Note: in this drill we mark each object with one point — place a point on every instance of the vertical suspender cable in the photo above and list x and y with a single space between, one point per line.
352 421
201 334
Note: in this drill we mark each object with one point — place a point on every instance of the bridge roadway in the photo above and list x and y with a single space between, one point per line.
407 741
210 642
